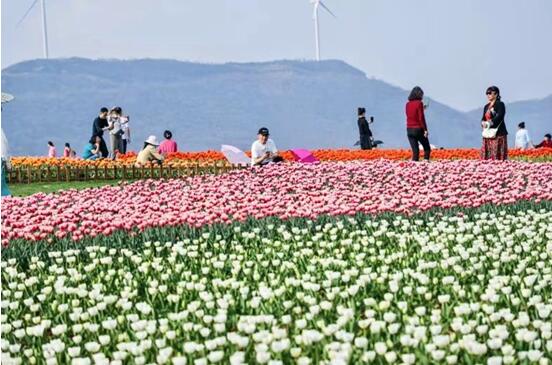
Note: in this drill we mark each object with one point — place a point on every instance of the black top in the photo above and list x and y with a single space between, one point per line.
97 127
363 127
498 112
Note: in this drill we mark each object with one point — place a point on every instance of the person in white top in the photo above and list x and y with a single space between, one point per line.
115 131
5 164
263 150
125 141
523 141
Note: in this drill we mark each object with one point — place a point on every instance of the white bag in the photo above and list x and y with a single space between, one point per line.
490 132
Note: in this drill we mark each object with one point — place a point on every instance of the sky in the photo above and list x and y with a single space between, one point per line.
453 49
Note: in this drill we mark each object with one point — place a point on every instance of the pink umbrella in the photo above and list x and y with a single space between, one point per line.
303 156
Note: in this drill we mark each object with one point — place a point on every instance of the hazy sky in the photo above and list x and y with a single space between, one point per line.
452 48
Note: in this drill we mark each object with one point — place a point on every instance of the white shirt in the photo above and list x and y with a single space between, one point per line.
116 122
5 153
522 139
258 149
124 127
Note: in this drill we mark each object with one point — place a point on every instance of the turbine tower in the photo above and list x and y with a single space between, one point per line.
44 25
317 4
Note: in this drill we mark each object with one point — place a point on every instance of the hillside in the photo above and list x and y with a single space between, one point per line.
305 104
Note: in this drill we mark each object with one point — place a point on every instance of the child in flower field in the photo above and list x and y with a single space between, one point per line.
149 152
51 149
67 150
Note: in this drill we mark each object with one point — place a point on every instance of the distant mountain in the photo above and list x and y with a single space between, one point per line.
305 104
537 115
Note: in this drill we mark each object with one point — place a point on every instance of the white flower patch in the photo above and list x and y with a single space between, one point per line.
389 290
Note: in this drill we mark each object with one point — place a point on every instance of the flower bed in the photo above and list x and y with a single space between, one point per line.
207 158
283 191
473 287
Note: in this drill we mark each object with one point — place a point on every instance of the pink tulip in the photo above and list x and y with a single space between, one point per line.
283 191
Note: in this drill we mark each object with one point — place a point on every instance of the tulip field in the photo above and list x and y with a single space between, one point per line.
206 158
342 262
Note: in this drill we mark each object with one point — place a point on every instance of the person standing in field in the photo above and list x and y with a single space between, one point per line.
364 130
125 140
5 165
168 145
100 126
416 126
51 149
523 141
495 135
115 131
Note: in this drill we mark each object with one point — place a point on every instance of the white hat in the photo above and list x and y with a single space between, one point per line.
152 140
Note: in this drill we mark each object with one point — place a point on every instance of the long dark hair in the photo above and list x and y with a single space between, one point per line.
416 94
494 89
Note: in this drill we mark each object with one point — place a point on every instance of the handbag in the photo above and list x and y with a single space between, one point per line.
490 133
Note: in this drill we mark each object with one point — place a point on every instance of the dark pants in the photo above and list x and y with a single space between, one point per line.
276 159
365 142
415 136
123 146
103 148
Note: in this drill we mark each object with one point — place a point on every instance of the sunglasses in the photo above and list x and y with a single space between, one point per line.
490 92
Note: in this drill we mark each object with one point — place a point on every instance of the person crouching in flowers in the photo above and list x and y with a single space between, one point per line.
149 153
263 150
92 150
546 142
495 142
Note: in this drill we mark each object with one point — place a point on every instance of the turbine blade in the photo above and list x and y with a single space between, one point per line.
327 9
27 13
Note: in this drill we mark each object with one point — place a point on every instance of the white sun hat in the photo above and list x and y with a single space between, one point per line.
152 140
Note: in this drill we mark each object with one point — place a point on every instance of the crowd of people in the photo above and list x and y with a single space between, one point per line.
494 132
115 126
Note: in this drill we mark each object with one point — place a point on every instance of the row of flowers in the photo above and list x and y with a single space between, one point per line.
210 157
285 191
458 288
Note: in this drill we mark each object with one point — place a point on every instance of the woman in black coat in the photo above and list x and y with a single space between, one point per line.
494 147
364 130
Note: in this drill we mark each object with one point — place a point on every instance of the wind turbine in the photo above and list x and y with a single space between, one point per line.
317 4
44 27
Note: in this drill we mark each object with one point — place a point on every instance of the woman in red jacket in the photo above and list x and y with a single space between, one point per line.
416 127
